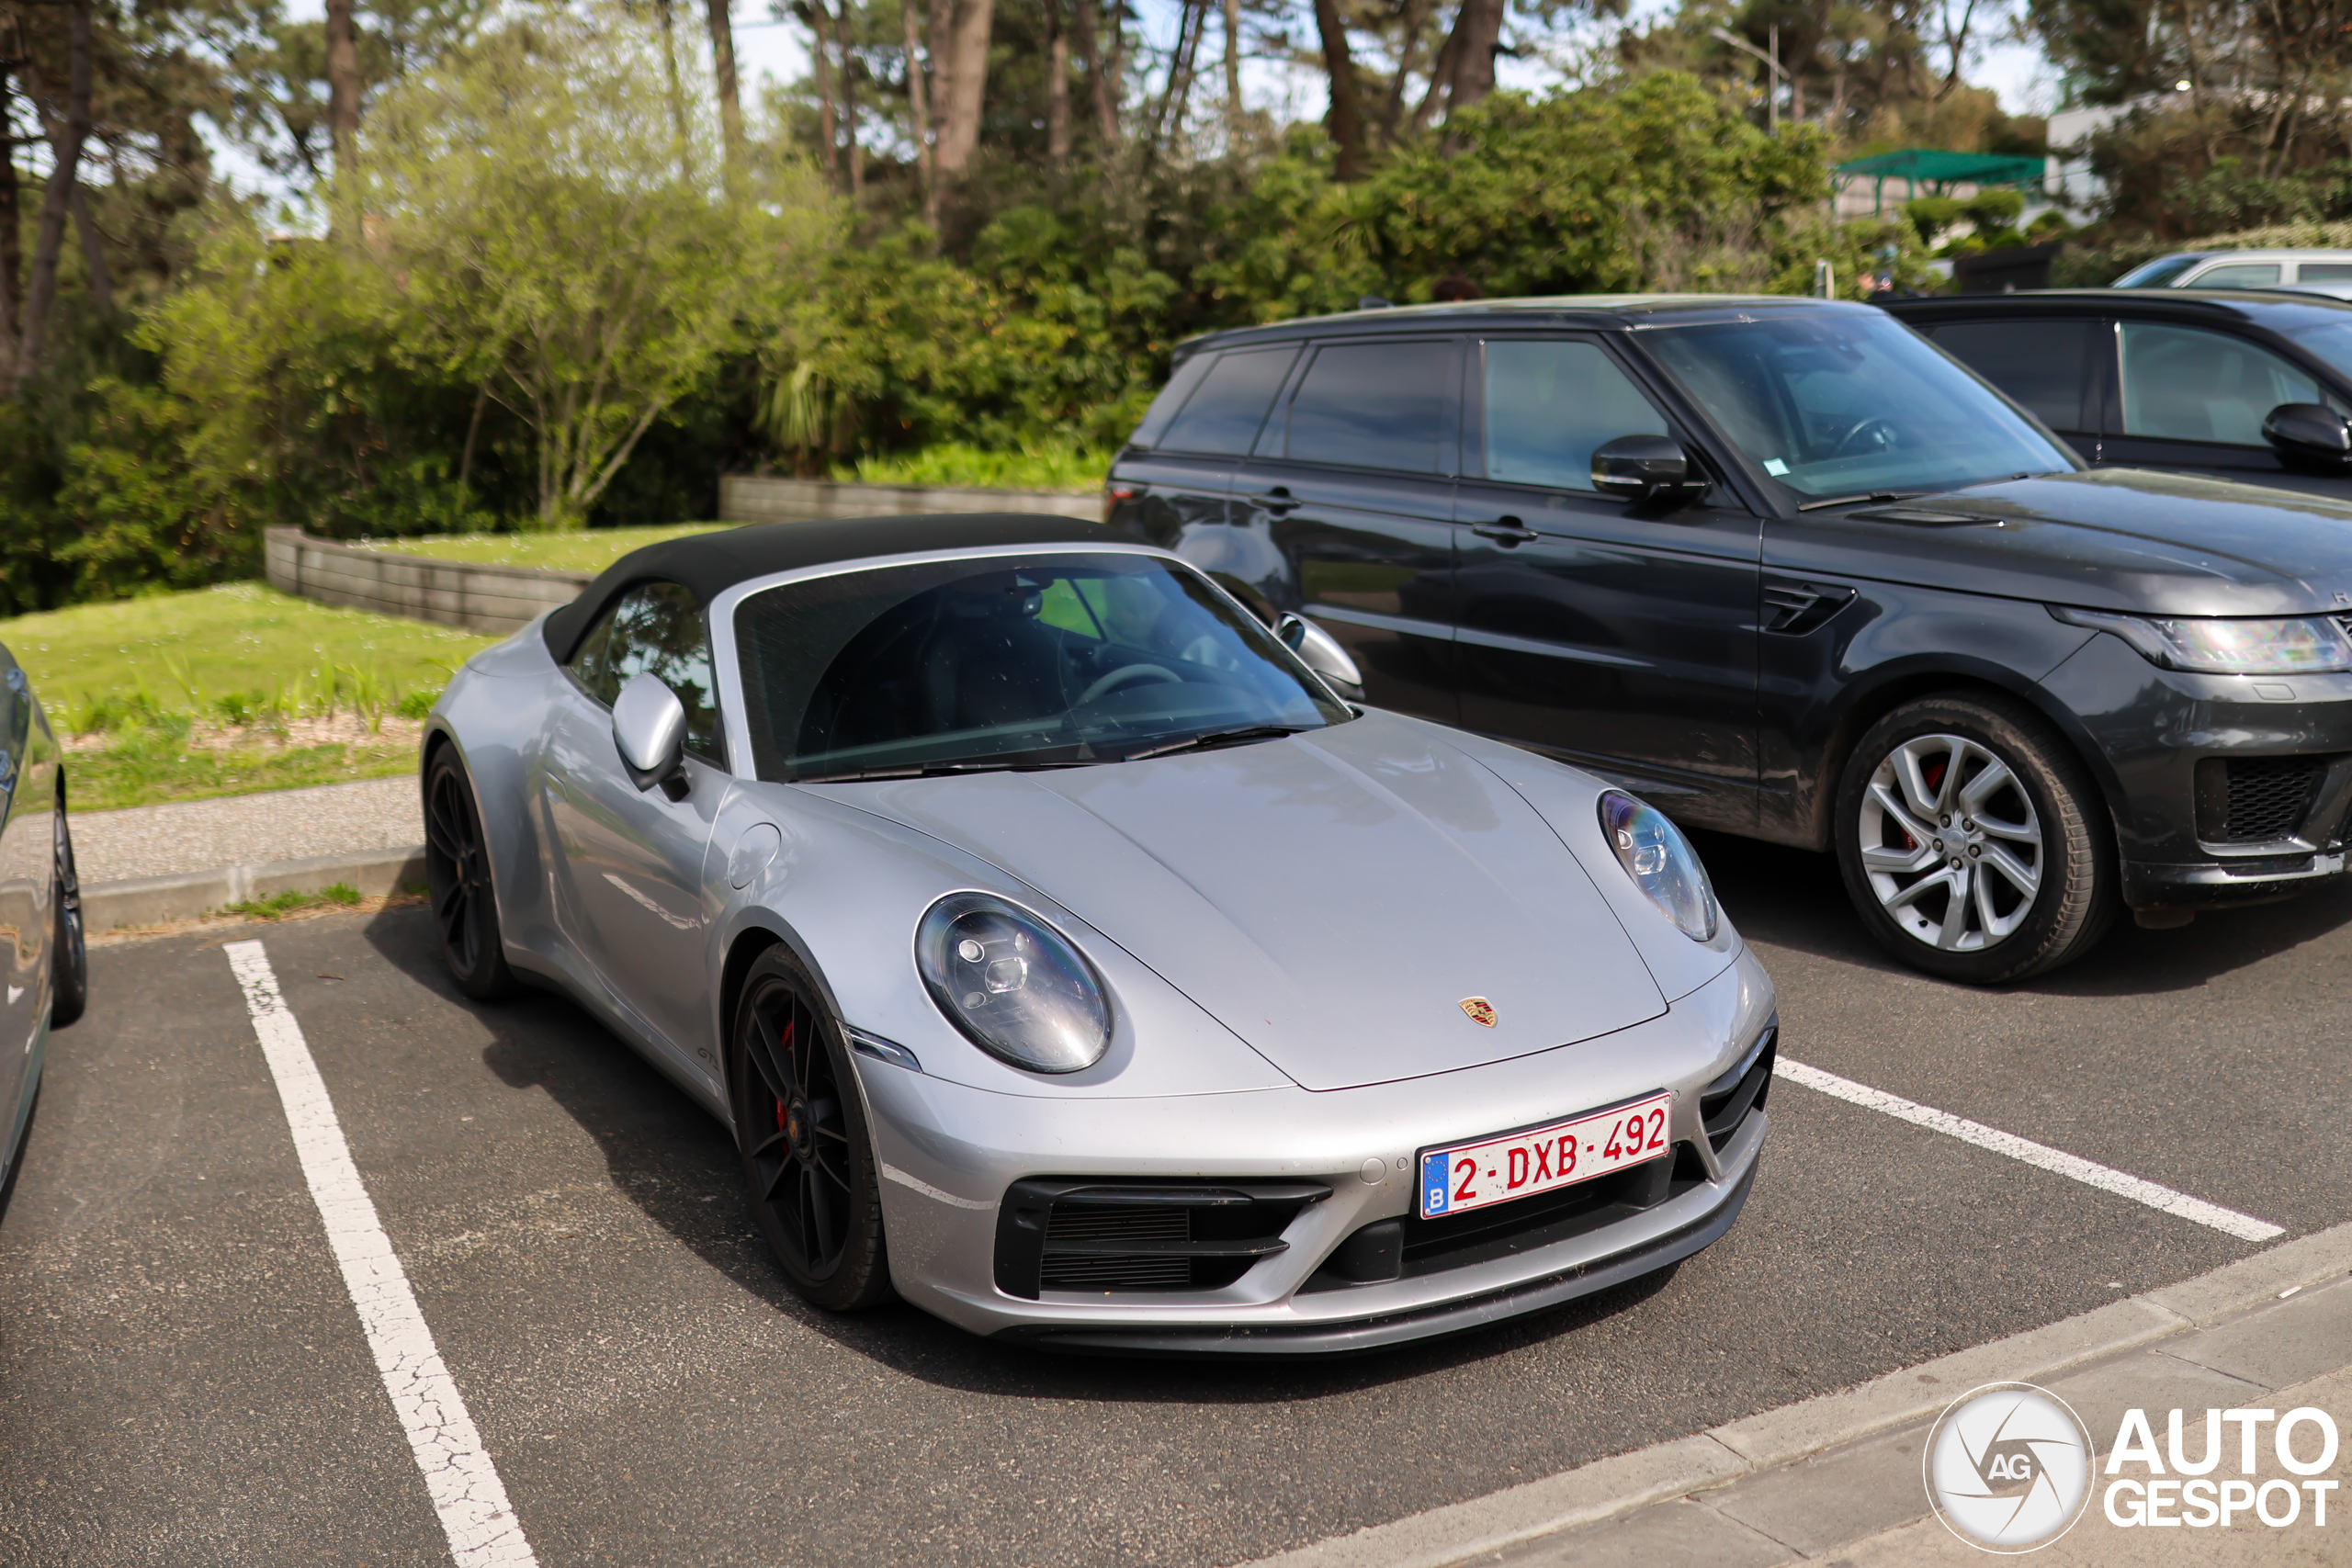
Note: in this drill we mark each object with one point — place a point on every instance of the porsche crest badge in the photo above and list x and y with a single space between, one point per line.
1479 1010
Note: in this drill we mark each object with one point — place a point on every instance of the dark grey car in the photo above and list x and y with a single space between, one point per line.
2232 383
43 964
1791 572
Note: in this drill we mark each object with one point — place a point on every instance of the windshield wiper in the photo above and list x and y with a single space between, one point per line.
1216 737
941 770
1875 495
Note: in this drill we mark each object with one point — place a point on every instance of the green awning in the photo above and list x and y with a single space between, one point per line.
1940 171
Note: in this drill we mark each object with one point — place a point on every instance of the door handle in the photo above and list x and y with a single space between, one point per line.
1278 500
1508 532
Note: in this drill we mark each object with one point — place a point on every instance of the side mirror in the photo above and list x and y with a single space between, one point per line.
1645 468
649 730
1321 652
2309 435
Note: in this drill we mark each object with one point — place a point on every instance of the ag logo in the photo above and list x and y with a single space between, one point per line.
1479 1010
2008 1467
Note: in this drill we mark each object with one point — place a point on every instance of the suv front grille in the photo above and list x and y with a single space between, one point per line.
2268 796
1071 1233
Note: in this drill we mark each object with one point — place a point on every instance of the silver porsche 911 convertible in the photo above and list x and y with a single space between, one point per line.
1069 956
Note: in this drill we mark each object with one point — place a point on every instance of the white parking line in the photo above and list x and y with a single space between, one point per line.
2041 1155
467 1494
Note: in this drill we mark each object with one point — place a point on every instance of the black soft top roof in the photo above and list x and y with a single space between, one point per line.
707 565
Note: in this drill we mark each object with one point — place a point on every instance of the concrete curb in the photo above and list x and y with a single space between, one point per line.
1774 1439
158 900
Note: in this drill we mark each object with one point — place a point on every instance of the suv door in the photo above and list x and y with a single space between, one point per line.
630 861
1169 484
1615 634
2190 399
2049 363
1349 500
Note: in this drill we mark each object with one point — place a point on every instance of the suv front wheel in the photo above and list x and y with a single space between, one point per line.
1972 840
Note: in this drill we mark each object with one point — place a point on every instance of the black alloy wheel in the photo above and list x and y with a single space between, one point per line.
1973 842
808 1159
456 868
69 974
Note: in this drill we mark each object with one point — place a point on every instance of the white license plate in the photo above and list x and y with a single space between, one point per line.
1542 1159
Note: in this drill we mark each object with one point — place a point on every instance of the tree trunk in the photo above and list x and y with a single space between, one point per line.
94 254
1192 20
1233 73
968 80
856 153
49 241
1346 126
919 113
722 69
1102 75
819 18
1477 29
1056 86
343 89
677 92
12 228
1412 19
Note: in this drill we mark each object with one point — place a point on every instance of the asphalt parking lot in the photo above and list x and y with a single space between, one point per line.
183 1378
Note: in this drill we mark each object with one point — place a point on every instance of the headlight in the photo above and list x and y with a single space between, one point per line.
1661 863
2307 645
1012 983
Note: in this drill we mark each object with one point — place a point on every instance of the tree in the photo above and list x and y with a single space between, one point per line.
544 240
67 121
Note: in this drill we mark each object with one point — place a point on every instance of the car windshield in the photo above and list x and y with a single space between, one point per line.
2157 274
2331 342
1059 660
1851 403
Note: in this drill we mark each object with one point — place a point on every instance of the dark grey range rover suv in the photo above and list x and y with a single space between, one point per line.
1789 571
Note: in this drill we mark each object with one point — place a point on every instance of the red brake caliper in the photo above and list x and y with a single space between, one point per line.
1934 774
784 1043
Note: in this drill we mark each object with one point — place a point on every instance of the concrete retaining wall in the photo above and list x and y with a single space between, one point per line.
159 900
479 598
760 498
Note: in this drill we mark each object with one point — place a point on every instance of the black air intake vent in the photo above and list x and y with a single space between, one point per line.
1068 1234
2268 796
1724 1103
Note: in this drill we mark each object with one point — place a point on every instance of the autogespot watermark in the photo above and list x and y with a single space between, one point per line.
2011 1468
2008 1467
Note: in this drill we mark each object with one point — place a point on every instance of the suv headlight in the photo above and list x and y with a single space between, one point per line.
1016 987
1661 863
2304 645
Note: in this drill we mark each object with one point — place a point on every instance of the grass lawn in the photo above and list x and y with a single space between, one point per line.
591 550
230 690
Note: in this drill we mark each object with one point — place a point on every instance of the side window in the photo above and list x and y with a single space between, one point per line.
2040 364
2186 384
1549 404
1223 416
2238 274
1173 396
2324 272
655 628
1371 405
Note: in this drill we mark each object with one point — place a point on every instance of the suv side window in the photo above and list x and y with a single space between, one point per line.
1371 405
1549 404
1222 417
2238 274
655 628
2040 363
2324 272
2187 384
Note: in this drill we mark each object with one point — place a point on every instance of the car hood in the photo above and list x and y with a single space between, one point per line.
1332 898
2107 538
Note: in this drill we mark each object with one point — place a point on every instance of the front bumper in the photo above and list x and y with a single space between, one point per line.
2226 789
950 1154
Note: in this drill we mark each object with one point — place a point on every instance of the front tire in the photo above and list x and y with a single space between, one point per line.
808 1164
456 870
1973 841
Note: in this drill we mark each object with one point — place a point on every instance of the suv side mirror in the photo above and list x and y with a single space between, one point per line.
2310 435
1645 468
649 731
1321 652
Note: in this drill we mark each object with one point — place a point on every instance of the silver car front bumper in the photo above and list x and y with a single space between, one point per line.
950 1153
